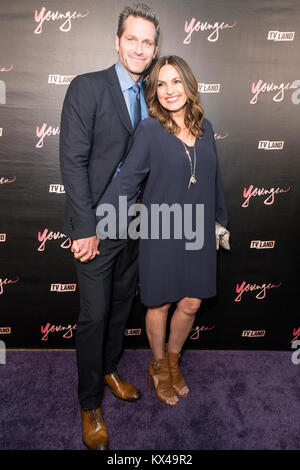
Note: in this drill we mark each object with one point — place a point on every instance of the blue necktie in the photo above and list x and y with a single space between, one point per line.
135 106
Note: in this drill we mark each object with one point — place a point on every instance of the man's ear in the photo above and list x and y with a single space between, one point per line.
155 52
117 42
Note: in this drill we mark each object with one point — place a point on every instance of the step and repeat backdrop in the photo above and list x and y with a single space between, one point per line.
245 56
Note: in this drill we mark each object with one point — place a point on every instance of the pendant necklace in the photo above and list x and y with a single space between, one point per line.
193 170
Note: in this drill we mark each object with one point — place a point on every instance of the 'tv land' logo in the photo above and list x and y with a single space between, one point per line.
60 79
209 87
57 188
281 35
270 144
3 84
260 244
62 287
2 92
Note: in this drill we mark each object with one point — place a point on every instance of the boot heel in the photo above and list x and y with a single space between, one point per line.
150 381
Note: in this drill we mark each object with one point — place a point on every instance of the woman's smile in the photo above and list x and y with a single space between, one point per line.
172 99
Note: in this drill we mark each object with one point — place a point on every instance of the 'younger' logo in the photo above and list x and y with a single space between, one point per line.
66 18
263 87
42 132
261 289
46 235
48 328
270 193
213 29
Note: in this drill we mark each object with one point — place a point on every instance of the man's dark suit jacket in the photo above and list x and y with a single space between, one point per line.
96 134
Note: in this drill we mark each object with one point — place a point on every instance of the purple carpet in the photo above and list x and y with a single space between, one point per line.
242 400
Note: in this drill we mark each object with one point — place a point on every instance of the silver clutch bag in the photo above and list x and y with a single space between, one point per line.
222 237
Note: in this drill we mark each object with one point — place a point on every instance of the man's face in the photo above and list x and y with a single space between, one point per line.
136 46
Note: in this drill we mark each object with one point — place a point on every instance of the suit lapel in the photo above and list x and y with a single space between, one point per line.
118 98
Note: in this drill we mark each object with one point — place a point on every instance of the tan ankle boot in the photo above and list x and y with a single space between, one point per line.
177 380
164 389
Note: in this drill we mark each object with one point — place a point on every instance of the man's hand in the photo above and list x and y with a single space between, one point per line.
85 249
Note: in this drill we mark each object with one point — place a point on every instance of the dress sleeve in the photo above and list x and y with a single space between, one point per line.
122 192
221 215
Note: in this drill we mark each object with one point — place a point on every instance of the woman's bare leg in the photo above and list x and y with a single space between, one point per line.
181 324
156 321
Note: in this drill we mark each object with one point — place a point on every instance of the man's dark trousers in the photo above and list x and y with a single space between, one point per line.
96 135
107 287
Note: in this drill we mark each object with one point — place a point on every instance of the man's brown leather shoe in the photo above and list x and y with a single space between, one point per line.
121 388
94 432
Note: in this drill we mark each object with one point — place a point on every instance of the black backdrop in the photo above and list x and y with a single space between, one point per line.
245 56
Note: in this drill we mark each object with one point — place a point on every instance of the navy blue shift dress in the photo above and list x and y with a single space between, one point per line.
168 271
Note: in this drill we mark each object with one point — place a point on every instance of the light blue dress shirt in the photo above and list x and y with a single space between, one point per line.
126 82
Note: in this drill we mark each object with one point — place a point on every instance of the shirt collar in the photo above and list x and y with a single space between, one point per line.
125 79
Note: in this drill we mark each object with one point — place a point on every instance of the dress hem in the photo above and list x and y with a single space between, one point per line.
177 299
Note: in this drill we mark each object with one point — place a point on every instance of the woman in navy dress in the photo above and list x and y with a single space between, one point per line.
174 154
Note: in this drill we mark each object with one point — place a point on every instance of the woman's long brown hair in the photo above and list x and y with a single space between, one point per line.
194 112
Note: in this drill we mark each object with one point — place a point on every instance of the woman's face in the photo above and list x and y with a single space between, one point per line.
170 90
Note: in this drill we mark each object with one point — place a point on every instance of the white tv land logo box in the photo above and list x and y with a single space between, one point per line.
281 35
2 237
2 92
1 129
133 332
63 287
209 87
2 352
5 330
271 144
254 333
262 244
60 79
57 188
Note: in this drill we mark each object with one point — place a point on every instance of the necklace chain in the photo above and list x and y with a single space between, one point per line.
193 170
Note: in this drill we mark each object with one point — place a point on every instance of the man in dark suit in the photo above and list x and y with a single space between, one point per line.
100 113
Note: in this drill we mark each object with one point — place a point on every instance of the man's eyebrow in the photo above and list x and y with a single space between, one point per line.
133 36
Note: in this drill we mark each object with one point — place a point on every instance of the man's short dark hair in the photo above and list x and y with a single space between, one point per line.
139 10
